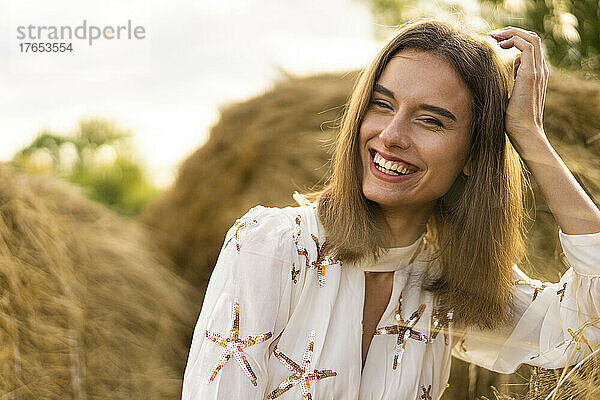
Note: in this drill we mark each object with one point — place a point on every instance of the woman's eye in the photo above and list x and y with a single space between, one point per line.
380 104
433 121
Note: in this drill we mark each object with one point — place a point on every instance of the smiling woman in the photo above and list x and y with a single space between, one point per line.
409 253
404 125
434 98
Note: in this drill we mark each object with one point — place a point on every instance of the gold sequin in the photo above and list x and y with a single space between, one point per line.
561 292
426 393
404 330
301 375
234 345
295 273
440 321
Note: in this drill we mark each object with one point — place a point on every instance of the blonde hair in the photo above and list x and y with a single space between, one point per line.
477 227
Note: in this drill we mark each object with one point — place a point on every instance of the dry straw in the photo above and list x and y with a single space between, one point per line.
580 382
265 148
259 152
87 308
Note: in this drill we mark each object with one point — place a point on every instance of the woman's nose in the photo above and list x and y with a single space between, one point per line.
395 135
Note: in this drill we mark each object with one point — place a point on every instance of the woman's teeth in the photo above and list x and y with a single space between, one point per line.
386 171
387 167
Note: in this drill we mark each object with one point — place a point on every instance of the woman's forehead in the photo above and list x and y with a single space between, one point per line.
421 76
422 72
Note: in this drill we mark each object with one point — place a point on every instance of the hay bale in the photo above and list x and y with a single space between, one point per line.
88 309
582 384
544 250
264 148
578 382
260 152
572 110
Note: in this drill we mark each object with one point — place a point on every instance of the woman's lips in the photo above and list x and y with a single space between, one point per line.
386 177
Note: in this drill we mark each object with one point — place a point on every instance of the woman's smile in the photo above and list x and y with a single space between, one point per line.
389 173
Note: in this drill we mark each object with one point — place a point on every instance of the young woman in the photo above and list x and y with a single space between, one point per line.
409 254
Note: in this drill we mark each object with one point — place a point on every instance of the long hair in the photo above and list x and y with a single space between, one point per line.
476 229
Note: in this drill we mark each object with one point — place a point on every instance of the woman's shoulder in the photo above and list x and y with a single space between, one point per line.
281 215
267 223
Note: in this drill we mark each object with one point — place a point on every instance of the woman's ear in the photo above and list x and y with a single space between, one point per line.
467 168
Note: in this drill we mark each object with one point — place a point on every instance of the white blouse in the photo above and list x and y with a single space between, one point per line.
280 319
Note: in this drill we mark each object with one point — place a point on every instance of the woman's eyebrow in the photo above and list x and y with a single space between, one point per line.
438 110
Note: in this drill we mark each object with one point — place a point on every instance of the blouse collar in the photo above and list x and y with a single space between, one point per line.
396 258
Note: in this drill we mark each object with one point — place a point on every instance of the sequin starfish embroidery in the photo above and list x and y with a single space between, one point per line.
537 286
301 375
295 273
239 224
426 393
234 346
404 330
323 258
440 322
299 248
561 292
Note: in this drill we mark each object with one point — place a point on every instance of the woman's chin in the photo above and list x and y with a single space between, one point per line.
385 200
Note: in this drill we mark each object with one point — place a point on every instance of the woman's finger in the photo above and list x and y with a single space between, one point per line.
545 88
528 36
527 63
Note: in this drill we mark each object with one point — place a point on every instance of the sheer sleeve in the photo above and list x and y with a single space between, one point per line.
556 324
246 306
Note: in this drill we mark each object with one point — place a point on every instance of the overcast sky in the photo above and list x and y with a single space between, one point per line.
196 55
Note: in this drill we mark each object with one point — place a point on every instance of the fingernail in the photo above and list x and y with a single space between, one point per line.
495 32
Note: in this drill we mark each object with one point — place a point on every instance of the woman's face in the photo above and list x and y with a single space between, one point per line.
420 113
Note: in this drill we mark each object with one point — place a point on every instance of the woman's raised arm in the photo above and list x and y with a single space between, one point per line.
572 208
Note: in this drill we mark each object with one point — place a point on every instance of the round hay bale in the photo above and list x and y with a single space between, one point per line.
544 250
88 308
260 152
572 110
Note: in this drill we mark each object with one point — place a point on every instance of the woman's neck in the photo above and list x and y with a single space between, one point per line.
407 224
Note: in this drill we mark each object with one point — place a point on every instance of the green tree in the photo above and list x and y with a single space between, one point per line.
570 29
389 14
98 157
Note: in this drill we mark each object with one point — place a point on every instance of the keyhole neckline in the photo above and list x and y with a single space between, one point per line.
396 258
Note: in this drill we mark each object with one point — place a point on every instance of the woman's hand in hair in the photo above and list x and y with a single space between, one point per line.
523 120
573 209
